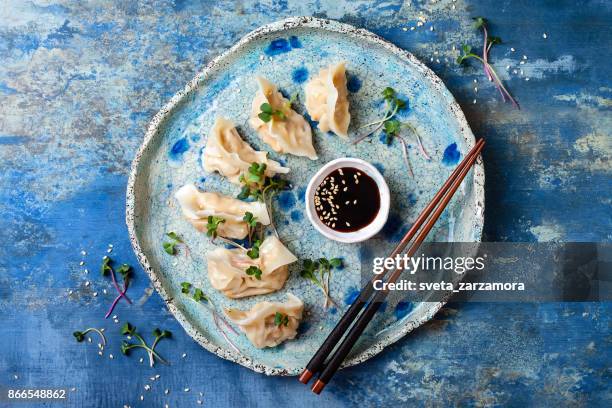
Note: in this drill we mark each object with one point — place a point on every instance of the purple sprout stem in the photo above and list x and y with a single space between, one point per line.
121 294
405 154
485 53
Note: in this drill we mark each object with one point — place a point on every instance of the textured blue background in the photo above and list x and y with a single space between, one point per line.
78 84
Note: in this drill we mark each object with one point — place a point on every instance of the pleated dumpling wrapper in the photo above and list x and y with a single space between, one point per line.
227 269
231 156
268 324
197 206
287 132
327 100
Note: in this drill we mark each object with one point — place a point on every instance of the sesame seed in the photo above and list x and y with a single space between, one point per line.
95 294
346 202
147 387
83 253
86 271
110 356
86 283
142 397
89 339
355 202
99 352
184 355
544 36
166 391
347 224
109 250
356 181
474 101
81 263
186 389
345 189
512 49
526 79
110 245
334 225
524 57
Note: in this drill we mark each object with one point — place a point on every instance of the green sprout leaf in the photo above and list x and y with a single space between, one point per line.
185 287
253 252
335 262
79 336
125 347
174 236
198 295
212 225
106 268
479 22
127 329
170 247
254 271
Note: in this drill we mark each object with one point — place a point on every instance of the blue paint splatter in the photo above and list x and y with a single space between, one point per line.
351 296
364 253
394 229
296 216
379 167
299 75
13 139
195 138
402 309
281 45
4 88
295 42
278 46
303 327
301 193
451 155
353 84
286 200
180 147
333 311
412 199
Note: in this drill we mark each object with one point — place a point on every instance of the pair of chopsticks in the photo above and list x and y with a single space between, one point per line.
324 362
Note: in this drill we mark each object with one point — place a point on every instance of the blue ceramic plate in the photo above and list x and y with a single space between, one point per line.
288 53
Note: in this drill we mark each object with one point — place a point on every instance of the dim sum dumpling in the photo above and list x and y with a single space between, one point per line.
259 323
231 156
226 269
197 206
327 101
289 135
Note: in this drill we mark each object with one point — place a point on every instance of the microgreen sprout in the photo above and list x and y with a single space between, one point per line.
125 271
200 298
391 126
212 225
128 330
256 185
319 272
253 252
254 271
171 246
268 113
281 319
489 41
251 222
80 335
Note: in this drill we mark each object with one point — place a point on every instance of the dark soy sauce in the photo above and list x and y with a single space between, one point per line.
347 200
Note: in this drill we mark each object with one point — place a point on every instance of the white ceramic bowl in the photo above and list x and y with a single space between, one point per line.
366 232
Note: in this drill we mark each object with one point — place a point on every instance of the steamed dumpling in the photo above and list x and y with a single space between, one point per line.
327 102
226 269
289 135
197 206
231 156
259 323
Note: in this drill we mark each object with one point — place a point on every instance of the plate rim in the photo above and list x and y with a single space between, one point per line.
193 85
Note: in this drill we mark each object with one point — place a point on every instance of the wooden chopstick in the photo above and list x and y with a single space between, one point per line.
316 364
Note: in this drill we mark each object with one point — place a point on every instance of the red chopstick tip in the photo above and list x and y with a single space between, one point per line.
305 376
318 387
